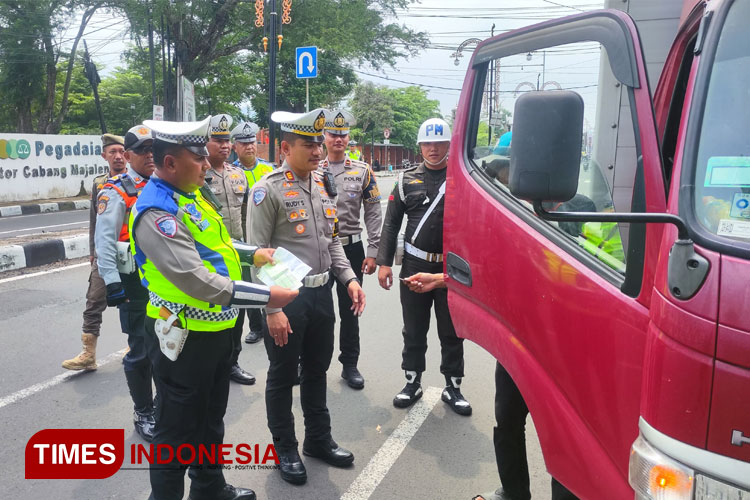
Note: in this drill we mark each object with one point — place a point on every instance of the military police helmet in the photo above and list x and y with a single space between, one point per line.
434 130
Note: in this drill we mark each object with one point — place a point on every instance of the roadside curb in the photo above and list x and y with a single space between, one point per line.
40 208
39 253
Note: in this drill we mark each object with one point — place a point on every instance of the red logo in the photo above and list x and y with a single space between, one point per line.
74 453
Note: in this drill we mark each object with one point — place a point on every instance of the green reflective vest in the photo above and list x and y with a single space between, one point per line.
213 243
604 241
256 173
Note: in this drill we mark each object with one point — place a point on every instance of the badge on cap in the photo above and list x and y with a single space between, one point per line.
259 194
167 225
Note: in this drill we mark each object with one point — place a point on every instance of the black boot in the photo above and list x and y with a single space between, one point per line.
139 384
411 392
244 377
452 395
353 377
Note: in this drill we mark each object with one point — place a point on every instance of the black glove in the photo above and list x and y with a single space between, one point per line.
115 294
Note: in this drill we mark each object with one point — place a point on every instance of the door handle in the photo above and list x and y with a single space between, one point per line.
458 269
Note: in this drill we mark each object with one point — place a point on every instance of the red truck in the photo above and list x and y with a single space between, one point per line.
605 262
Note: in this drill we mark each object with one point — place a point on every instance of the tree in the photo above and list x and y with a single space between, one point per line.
32 46
412 107
372 105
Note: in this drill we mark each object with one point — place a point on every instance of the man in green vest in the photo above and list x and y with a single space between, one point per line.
245 145
192 271
353 153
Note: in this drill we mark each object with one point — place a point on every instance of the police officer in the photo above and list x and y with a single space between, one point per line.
113 151
244 144
192 270
229 186
353 153
356 187
419 193
295 207
123 287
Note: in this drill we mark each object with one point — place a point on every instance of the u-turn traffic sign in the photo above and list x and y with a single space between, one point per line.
307 62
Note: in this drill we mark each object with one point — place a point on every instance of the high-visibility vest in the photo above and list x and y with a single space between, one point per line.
604 236
129 191
354 155
255 174
213 243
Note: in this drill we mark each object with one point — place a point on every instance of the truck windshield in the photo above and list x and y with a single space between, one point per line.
722 181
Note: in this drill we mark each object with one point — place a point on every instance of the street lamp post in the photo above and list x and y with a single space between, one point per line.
132 112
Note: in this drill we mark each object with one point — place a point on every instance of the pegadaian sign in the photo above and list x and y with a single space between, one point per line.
40 166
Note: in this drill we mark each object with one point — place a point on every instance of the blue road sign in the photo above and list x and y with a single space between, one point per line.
307 62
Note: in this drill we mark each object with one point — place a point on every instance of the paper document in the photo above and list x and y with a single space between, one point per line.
288 270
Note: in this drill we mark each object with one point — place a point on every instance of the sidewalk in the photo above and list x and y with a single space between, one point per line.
42 252
43 206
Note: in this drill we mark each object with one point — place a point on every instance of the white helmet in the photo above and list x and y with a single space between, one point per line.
434 130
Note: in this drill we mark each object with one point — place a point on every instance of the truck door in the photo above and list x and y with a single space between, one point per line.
563 306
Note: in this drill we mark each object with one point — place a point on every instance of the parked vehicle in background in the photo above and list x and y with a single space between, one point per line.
628 338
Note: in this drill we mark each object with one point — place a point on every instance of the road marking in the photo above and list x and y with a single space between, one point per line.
30 391
43 227
41 273
381 463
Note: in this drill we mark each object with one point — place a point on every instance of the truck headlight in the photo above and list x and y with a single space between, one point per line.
655 476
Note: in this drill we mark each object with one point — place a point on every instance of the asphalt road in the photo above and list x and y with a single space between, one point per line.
25 225
448 457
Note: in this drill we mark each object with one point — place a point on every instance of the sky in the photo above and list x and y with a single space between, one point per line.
447 23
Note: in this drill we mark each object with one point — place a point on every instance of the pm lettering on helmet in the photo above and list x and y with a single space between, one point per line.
436 128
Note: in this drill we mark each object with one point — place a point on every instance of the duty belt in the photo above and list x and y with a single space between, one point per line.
348 240
421 254
193 312
316 280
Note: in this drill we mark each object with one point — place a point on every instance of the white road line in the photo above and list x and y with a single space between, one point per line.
381 463
30 391
41 273
43 227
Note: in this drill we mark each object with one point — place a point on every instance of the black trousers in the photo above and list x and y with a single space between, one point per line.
510 441
237 337
415 309
310 345
349 330
132 322
193 394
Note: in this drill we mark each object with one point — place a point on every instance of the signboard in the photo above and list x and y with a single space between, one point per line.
387 133
386 141
188 100
307 62
41 166
158 112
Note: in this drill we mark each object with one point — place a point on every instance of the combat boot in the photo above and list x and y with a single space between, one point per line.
86 359
452 395
411 392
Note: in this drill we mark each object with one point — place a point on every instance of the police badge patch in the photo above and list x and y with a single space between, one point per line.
102 205
167 225
259 194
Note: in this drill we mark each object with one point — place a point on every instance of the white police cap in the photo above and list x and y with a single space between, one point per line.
339 122
244 132
220 126
308 125
193 136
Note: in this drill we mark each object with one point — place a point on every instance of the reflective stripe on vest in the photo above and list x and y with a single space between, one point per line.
213 243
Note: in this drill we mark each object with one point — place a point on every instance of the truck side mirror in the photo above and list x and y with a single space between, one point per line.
546 149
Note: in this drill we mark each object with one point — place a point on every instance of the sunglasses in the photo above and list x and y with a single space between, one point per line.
144 149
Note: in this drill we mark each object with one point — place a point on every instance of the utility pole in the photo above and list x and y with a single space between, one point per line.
89 69
151 56
490 102
168 84
179 52
272 21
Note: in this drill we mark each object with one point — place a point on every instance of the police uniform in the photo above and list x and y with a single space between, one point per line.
96 293
246 132
419 194
230 188
187 261
356 186
299 214
117 197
